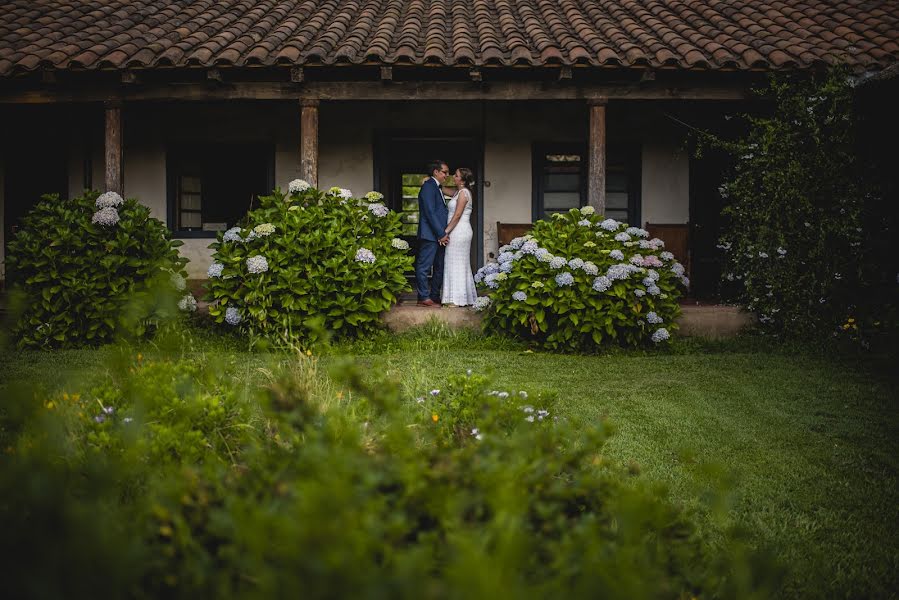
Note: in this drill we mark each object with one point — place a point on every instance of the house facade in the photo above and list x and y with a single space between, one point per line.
195 108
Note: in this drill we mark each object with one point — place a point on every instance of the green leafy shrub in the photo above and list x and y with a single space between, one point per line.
82 270
370 496
805 237
579 281
306 261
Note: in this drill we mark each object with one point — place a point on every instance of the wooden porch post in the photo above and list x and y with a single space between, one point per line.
309 141
596 175
113 147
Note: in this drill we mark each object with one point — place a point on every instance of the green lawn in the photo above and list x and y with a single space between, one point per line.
806 448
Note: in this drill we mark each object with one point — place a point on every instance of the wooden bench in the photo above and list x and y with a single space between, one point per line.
676 237
506 232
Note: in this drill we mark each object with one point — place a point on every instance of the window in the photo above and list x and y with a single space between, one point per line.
211 187
560 181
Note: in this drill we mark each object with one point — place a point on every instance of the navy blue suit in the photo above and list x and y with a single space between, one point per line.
432 219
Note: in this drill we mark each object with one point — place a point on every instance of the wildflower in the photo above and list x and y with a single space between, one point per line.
523 394
502 395
609 224
653 319
781 251
616 254
378 209
584 223
127 420
542 414
257 264
188 303
558 262
564 278
215 270
434 417
575 263
298 186
232 235
763 255
434 392
477 434
420 400
106 216
374 196
622 237
109 200
100 418
602 283
108 410
527 409
232 315
587 210
399 244
482 303
364 255
519 296
660 335
529 418
590 269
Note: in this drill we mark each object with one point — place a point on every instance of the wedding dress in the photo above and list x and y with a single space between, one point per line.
458 284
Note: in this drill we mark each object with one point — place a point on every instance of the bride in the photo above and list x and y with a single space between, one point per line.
458 284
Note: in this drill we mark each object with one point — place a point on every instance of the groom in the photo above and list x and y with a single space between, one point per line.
432 219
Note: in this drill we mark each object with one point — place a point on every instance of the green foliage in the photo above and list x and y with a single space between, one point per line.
636 303
803 228
78 282
369 496
315 278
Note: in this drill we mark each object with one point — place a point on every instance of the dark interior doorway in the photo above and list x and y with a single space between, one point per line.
401 167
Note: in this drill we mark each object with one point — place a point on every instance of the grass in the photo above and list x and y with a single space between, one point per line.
806 447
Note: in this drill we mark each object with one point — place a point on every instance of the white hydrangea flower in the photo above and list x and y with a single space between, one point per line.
637 232
232 315
178 282
660 335
257 264
602 283
374 196
298 186
482 303
399 244
584 223
378 209
188 303
215 270
109 199
364 255
610 224
264 229
232 235
340 192
106 216
587 210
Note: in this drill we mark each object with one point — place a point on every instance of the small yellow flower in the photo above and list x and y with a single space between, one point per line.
65 396
76 397
165 531
308 352
340 395
140 357
435 418
850 320
845 327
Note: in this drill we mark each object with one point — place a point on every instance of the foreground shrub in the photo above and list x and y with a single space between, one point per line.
306 261
82 270
467 491
579 281
807 242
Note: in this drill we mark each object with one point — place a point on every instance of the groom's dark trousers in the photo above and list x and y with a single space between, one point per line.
432 218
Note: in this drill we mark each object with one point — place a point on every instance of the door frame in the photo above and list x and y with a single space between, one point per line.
383 138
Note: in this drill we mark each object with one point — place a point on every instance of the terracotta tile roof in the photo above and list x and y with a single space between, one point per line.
685 34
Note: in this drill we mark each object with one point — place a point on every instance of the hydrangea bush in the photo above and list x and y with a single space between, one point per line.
309 260
579 281
807 244
82 270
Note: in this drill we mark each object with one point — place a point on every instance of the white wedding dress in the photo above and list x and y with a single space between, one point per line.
458 283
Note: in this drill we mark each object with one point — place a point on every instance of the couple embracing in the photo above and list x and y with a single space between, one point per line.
444 240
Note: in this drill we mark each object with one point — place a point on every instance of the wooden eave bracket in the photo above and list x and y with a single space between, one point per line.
386 73
214 75
129 77
48 76
565 73
296 74
475 74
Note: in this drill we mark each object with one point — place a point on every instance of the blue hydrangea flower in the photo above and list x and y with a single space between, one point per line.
519 296
616 255
505 257
619 271
232 316
530 247
622 237
378 209
506 248
677 269
590 268
653 319
653 290
565 278
506 267
660 335
666 255
517 242
602 283
575 263
490 281
215 270
637 232
232 235
364 255
652 274
107 217
257 264
481 303
544 255
557 262
609 224
639 293
584 223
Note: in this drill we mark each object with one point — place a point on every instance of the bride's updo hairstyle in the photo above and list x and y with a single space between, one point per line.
467 177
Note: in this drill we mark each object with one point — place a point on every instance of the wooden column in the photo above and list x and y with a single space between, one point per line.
596 175
309 141
113 148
